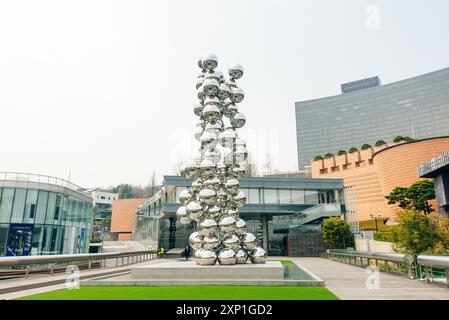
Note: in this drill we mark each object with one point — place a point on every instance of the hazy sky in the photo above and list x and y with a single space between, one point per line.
105 89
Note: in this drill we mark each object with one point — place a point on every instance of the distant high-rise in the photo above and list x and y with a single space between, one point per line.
366 112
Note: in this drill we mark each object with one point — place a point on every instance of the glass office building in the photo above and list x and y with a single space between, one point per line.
367 112
274 207
42 215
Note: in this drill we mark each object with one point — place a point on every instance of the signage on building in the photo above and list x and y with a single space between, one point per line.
360 84
434 164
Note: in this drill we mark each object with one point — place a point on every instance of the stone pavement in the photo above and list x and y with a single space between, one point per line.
348 282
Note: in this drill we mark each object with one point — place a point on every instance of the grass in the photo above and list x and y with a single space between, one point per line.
187 293
286 262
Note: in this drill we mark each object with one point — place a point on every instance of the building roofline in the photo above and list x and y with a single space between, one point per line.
363 91
408 142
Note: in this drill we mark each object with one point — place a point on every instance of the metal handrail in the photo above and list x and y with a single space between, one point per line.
433 261
32 260
395 257
40 178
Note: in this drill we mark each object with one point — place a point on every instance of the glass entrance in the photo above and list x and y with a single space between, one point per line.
20 239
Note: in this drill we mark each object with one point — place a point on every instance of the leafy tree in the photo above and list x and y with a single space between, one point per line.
124 190
318 158
442 246
417 196
353 149
408 139
341 152
380 143
366 146
401 138
415 233
328 155
337 233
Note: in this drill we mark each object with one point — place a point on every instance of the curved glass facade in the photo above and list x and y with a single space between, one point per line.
42 219
417 107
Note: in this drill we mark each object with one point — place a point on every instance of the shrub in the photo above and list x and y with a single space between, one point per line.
380 143
353 149
408 139
341 152
366 146
383 236
398 139
337 233
328 155
318 158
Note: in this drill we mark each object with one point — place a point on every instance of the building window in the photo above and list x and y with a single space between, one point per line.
271 196
19 206
311 197
285 196
298 197
30 206
254 196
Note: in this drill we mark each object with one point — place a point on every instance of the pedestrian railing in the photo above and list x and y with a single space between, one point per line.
26 265
390 262
434 268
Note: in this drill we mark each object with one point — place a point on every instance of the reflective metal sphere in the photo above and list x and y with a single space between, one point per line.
190 169
236 72
212 101
224 92
200 93
195 241
241 154
230 110
240 227
198 110
237 94
213 154
185 196
227 224
231 186
200 62
214 127
198 133
182 216
194 210
238 120
208 168
231 83
222 196
211 112
211 242
227 137
197 185
199 82
258 255
207 227
238 171
241 256
213 183
231 211
249 241
206 257
210 88
227 256
209 62
239 199
231 241
213 212
207 196
208 139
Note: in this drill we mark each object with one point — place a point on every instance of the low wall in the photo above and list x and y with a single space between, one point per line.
366 245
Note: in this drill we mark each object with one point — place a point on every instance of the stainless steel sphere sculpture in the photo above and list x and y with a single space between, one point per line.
214 199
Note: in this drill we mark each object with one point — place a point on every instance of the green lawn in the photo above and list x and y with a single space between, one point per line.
286 262
188 293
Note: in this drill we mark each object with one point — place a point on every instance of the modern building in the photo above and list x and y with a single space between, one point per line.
102 212
373 173
366 112
42 215
275 206
123 221
438 169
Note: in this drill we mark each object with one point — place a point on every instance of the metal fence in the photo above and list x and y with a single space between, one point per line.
431 268
24 266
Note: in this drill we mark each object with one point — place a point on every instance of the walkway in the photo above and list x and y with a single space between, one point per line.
348 282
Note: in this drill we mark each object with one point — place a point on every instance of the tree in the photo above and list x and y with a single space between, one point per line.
250 168
415 233
417 196
337 233
353 149
366 146
408 139
124 190
380 143
398 139
341 152
317 158
328 155
442 246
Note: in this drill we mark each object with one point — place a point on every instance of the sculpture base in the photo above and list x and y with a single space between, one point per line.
271 273
189 270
